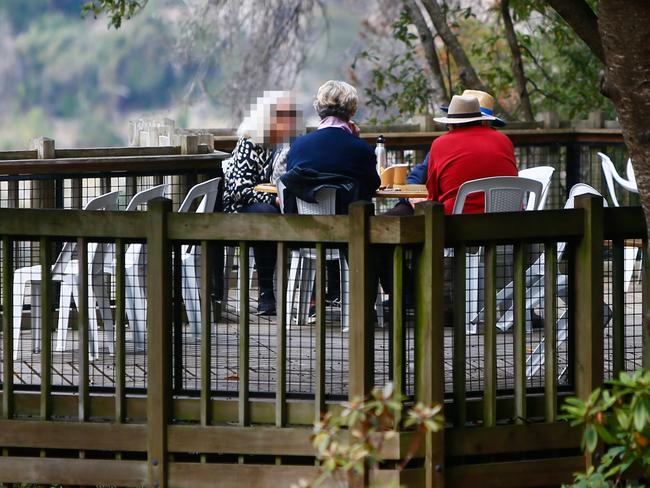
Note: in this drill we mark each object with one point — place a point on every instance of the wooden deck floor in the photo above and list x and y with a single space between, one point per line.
300 357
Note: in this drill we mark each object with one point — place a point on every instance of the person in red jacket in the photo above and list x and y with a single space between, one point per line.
469 151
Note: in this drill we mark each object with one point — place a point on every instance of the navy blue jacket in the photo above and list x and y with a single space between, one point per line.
336 151
419 173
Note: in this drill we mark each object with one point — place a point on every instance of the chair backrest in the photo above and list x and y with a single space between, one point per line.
581 189
325 203
502 193
543 174
608 172
629 171
135 252
145 195
207 191
611 175
108 201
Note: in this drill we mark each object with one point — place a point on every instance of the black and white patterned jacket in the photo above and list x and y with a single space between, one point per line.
250 165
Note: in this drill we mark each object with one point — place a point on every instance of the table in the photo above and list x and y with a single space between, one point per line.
396 191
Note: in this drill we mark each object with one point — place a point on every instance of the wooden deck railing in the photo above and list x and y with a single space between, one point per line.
161 433
50 177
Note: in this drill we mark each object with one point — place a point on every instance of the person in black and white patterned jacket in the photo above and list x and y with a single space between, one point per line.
259 157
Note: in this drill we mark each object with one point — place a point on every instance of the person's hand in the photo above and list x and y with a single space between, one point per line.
354 128
277 202
414 201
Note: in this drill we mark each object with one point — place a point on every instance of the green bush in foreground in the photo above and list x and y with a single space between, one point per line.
616 422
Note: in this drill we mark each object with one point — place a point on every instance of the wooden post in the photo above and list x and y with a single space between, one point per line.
244 336
83 318
572 162
519 339
120 333
361 318
490 339
7 328
429 332
159 318
398 356
46 327
319 390
361 336
281 337
589 298
206 333
43 191
550 331
181 183
618 305
459 339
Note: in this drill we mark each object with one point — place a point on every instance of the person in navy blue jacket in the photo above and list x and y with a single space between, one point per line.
335 147
417 176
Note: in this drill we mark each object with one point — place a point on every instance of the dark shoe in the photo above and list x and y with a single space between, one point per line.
266 304
311 315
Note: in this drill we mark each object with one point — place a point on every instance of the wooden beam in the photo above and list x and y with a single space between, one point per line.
511 439
429 332
281 337
516 474
88 436
68 471
361 332
589 298
159 321
7 328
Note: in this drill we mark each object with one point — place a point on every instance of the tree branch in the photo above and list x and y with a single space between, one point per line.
466 71
517 63
427 39
583 20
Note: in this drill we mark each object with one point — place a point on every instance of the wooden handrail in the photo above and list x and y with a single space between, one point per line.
412 140
132 164
479 228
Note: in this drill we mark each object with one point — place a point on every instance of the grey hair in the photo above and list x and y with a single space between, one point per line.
336 98
257 124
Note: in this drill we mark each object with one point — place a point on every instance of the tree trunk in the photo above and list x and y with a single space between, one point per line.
427 39
517 63
466 71
624 27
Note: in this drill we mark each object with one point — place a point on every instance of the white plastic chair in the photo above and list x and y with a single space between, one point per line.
135 292
535 360
207 192
303 263
502 194
543 174
611 175
629 171
65 270
535 272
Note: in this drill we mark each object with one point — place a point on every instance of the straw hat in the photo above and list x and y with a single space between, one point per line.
486 101
487 105
464 109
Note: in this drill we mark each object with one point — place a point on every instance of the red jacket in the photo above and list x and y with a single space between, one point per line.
464 154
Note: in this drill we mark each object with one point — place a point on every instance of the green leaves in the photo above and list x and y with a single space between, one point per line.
350 442
619 417
117 10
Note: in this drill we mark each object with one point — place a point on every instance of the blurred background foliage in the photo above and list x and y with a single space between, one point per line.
78 80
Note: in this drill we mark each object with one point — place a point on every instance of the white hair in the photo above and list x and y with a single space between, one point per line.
336 98
256 124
